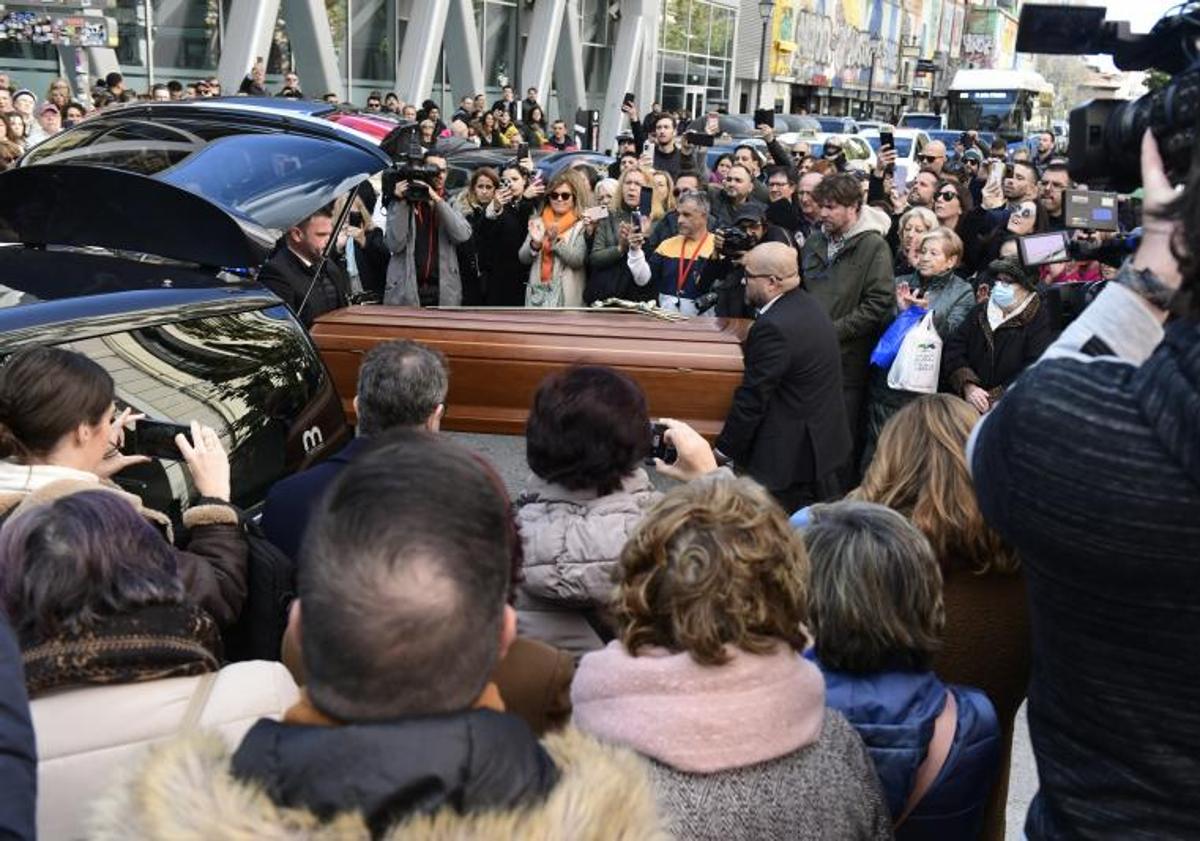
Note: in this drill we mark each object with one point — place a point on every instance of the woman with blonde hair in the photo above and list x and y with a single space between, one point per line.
705 680
920 470
663 201
914 224
556 248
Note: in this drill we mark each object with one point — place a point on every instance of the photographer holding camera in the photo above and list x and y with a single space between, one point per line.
750 227
1104 429
423 231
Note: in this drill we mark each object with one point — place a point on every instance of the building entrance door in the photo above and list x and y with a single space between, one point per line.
693 100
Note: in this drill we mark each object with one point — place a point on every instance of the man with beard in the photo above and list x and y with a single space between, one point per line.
787 425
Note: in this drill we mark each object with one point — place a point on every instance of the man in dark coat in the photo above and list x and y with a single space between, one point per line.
400 384
289 272
847 266
18 757
787 427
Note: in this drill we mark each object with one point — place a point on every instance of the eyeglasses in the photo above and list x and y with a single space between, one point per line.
947 195
928 159
562 196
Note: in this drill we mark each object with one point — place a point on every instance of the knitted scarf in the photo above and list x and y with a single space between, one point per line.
148 643
565 223
700 719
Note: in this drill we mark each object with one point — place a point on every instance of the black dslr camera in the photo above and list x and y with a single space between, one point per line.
734 241
404 146
1106 134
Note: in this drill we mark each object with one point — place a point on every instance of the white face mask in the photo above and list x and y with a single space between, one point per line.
1004 295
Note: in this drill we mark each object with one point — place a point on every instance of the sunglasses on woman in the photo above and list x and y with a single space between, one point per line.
947 195
562 196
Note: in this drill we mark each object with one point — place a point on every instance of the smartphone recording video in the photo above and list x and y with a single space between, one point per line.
155 439
1040 249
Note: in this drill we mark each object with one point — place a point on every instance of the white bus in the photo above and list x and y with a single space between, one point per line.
1010 103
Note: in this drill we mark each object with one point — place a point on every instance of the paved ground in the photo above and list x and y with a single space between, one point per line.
507 454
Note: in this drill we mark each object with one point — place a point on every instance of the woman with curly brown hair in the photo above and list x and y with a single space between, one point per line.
556 248
920 470
706 682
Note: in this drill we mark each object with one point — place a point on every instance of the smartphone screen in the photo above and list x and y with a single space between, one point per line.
522 151
886 138
1040 249
629 98
155 439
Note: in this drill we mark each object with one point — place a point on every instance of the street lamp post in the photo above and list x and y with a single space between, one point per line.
867 109
766 8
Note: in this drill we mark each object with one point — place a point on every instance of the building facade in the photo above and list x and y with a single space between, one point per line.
833 56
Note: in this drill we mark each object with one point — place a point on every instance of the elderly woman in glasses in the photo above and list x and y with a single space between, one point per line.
556 248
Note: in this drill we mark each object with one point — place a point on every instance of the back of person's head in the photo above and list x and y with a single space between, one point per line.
68 564
920 470
400 384
588 429
46 393
714 564
403 579
875 591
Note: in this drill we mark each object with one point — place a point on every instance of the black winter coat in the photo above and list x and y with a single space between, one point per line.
472 761
976 355
18 757
498 242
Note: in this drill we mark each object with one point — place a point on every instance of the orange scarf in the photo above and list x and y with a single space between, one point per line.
565 223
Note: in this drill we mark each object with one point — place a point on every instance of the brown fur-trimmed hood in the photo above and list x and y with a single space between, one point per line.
183 790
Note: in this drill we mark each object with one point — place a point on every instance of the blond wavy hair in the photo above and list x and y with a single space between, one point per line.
920 470
715 563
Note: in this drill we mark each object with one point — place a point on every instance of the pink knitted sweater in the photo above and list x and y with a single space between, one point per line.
700 719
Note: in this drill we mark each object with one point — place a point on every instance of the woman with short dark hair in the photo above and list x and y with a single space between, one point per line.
116 656
877 614
587 436
707 681
58 436
501 234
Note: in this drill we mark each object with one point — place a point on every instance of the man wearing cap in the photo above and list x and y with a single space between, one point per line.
751 221
23 102
49 123
973 173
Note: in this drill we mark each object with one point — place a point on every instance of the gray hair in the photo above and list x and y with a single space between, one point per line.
696 197
923 214
875 593
400 384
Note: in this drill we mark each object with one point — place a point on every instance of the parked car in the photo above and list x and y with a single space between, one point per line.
836 125
925 120
909 144
153 275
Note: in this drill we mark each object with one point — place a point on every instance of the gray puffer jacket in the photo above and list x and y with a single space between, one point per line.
572 542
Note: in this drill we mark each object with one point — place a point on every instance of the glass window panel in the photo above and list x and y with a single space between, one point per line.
186 35
497 42
673 67
671 97
597 64
371 44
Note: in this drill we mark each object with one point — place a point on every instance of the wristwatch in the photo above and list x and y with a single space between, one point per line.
1146 284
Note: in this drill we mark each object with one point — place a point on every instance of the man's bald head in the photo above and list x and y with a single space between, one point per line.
934 156
771 270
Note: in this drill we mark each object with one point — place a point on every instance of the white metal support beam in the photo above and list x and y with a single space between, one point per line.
312 44
464 59
542 47
248 30
632 66
422 45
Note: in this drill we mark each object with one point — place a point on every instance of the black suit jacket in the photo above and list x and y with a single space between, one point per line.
291 501
788 424
287 276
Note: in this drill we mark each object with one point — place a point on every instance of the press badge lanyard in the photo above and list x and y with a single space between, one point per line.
685 266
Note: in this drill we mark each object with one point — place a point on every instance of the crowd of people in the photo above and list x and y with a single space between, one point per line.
823 629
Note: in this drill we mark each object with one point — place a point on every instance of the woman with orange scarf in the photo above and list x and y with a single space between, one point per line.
556 248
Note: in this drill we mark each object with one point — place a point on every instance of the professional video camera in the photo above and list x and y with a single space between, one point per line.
404 147
734 241
1106 135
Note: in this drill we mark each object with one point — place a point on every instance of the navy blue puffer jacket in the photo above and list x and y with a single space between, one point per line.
894 713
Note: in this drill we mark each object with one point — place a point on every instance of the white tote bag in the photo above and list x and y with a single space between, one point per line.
919 361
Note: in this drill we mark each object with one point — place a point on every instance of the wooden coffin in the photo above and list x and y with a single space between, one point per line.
688 369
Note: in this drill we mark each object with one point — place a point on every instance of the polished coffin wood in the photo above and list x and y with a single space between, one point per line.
688 369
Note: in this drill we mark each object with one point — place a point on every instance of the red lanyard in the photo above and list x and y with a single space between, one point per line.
685 266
